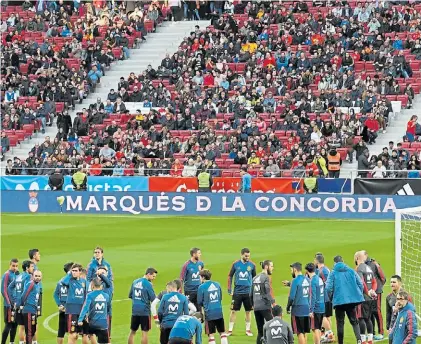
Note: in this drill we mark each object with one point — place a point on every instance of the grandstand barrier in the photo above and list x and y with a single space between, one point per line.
396 186
177 184
207 204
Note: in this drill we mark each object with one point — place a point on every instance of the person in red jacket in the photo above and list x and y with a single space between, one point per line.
269 61
411 128
208 79
96 168
311 166
177 168
372 128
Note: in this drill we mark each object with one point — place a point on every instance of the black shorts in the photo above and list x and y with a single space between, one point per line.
7 315
328 309
62 327
365 310
241 299
211 326
316 321
192 296
165 335
73 327
300 324
102 335
19 318
179 341
142 321
30 324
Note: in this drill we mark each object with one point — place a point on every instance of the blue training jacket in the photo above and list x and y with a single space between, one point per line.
172 306
97 308
344 286
142 294
30 298
209 296
60 293
404 330
76 293
317 298
93 267
243 274
323 273
15 289
299 296
186 327
7 278
190 275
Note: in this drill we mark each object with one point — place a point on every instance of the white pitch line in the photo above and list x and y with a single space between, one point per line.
47 320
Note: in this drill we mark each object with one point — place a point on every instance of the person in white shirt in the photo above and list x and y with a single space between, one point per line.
379 171
190 170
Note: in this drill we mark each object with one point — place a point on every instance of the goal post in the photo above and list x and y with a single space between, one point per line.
408 252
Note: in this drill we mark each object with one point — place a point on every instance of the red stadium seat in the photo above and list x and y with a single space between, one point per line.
29 129
14 140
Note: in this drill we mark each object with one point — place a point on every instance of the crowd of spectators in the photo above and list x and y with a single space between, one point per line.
277 87
54 53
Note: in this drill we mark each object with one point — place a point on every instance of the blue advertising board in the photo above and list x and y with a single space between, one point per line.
135 183
207 204
94 183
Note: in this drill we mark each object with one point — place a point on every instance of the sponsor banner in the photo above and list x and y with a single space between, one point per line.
170 184
335 185
401 187
258 185
211 204
277 185
94 183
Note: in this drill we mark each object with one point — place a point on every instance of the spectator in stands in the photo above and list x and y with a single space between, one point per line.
379 171
189 170
106 152
411 127
299 171
5 143
271 170
363 164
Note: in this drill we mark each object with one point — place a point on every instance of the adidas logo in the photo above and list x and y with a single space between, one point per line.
100 297
257 279
406 191
174 299
305 283
138 285
276 323
212 287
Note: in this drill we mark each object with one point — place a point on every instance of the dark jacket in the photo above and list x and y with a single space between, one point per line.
56 181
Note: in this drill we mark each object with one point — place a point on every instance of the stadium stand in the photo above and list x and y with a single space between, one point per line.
272 82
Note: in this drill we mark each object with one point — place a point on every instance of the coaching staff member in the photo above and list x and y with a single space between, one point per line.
262 297
345 289
56 180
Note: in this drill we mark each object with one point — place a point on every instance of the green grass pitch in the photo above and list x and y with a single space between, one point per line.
133 243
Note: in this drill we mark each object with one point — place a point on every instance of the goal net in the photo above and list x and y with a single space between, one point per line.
408 252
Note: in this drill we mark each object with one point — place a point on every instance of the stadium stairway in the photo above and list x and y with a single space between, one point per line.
166 39
395 131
